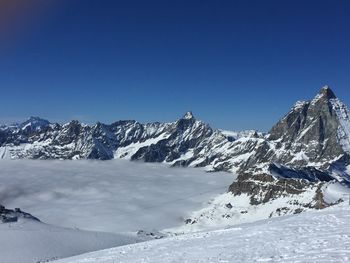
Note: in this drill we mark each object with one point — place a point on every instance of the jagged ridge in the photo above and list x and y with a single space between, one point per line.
310 144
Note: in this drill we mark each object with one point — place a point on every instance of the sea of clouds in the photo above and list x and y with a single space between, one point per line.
110 196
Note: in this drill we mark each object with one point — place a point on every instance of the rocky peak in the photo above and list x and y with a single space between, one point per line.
69 132
188 116
73 123
327 92
324 95
309 132
35 120
186 122
34 124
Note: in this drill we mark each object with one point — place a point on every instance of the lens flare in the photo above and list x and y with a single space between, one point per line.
20 16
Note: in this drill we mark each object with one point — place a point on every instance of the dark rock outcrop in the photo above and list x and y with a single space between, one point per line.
310 129
10 216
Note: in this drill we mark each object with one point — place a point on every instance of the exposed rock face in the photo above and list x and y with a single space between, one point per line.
10 216
186 134
302 148
309 132
263 188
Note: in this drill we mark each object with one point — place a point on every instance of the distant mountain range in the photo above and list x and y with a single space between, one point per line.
310 145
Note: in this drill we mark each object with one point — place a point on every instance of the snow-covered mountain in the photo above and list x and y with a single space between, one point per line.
307 148
290 169
314 133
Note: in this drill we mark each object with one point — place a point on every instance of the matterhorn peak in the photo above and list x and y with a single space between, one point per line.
188 115
327 92
324 95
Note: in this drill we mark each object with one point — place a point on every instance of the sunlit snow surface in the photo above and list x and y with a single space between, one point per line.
28 241
110 196
317 236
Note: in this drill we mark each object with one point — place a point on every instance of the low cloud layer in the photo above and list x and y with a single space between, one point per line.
111 196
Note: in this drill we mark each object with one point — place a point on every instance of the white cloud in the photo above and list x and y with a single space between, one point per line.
111 196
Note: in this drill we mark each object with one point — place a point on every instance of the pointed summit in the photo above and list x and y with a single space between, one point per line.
327 92
35 120
324 95
188 115
34 123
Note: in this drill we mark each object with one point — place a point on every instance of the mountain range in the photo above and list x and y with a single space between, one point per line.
306 149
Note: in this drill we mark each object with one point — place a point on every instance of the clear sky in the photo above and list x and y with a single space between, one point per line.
237 64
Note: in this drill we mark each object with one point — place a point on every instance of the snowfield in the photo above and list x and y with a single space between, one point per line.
315 236
29 241
111 196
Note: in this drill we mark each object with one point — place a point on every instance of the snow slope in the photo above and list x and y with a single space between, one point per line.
29 241
111 196
316 236
228 209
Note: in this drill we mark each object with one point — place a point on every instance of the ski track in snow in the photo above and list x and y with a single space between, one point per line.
317 236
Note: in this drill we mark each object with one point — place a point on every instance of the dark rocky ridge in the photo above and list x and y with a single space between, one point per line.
10 216
308 134
311 127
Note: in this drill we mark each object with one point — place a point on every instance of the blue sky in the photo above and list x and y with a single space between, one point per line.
235 64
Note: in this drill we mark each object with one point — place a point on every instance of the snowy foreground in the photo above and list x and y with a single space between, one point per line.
29 241
315 236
